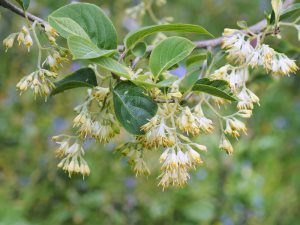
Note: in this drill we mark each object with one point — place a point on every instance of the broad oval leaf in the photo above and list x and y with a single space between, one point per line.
133 108
113 66
139 49
92 21
67 27
167 82
196 58
136 36
169 52
290 11
84 77
82 48
219 88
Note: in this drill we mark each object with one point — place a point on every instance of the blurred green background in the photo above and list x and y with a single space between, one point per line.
259 184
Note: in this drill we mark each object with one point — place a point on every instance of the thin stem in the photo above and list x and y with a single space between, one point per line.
40 48
212 108
151 14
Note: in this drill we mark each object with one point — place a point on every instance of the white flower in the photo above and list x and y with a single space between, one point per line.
73 161
221 73
38 82
237 48
9 41
225 145
237 78
245 113
234 126
140 167
159 135
28 41
246 99
50 30
255 59
267 55
100 93
282 65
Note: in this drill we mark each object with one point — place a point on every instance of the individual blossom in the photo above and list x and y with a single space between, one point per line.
282 65
256 59
9 41
234 126
237 78
21 38
244 113
140 167
85 128
247 99
174 90
194 157
28 41
100 93
205 124
72 155
50 30
267 54
225 145
221 73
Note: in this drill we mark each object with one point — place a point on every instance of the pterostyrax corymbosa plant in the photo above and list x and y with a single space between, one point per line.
130 86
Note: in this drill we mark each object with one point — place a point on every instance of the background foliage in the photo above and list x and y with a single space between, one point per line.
259 184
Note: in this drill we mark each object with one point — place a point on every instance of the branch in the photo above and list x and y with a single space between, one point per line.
6 4
199 44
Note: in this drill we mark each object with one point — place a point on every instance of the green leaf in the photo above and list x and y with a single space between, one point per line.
196 58
143 80
82 48
167 82
139 49
113 66
133 108
272 18
188 81
24 3
84 77
90 18
219 88
67 27
169 52
136 36
290 11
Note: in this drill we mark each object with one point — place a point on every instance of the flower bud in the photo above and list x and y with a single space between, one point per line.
9 41
28 41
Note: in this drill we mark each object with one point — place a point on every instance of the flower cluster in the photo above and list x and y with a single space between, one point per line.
240 50
170 129
72 155
177 161
39 81
23 37
134 152
101 125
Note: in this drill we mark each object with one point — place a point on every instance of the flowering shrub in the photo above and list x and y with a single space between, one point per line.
131 86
